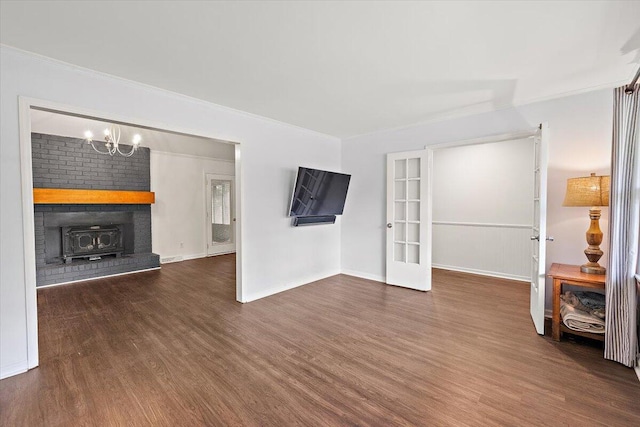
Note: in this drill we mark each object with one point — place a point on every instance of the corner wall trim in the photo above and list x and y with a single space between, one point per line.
14 369
360 274
273 291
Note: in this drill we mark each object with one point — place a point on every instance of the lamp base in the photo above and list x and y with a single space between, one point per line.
593 268
594 238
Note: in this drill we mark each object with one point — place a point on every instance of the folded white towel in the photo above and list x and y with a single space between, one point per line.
579 320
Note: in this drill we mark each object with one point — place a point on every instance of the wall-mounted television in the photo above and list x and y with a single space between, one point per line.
318 193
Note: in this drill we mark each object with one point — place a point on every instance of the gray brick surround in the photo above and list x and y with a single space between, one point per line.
61 162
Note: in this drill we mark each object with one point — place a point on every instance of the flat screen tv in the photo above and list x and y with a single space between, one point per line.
319 192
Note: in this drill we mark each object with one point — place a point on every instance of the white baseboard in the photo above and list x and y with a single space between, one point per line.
13 369
362 275
483 272
637 369
268 292
97 278
178 258
382 279
222 253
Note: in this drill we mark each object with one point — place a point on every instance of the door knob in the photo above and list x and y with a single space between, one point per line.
389 225
535 238
550 238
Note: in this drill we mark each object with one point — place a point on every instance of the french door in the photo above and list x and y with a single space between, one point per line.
409 219
539 232
221 224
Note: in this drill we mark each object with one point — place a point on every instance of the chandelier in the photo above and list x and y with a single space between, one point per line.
112 144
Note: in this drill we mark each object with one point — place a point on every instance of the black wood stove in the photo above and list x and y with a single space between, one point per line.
91 242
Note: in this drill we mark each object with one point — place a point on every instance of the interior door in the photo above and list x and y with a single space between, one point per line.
539 231
409 219
221 228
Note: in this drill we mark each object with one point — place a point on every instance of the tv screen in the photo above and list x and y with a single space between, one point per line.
319 192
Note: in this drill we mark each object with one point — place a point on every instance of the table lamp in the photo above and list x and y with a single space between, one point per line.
592 191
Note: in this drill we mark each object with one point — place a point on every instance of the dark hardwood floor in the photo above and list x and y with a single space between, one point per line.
172 347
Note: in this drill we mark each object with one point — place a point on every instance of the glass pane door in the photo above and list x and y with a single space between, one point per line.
539 231
409 219
407 210
221 227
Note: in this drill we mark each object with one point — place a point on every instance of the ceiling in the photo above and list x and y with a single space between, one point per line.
51 123
342 68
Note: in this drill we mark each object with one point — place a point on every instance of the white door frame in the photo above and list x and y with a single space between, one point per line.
25 104
208 177
485 140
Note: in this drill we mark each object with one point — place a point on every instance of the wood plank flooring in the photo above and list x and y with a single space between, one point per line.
173 348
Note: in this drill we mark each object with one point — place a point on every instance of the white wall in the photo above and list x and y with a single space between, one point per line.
178 216
483 208
487 183
580 142
276 255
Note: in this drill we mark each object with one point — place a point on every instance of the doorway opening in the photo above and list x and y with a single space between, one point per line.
483 208
112 235
220 214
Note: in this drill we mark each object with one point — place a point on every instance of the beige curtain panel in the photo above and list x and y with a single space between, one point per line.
621 339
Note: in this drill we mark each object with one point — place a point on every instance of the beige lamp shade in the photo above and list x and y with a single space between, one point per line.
587 191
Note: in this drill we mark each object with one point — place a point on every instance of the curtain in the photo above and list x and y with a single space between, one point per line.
621 339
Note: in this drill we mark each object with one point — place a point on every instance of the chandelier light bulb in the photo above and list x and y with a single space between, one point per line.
106 132
88 135
136 139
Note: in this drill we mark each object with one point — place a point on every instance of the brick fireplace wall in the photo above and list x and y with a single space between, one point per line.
61 162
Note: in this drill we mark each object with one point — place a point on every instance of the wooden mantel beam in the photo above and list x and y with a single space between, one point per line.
68 196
